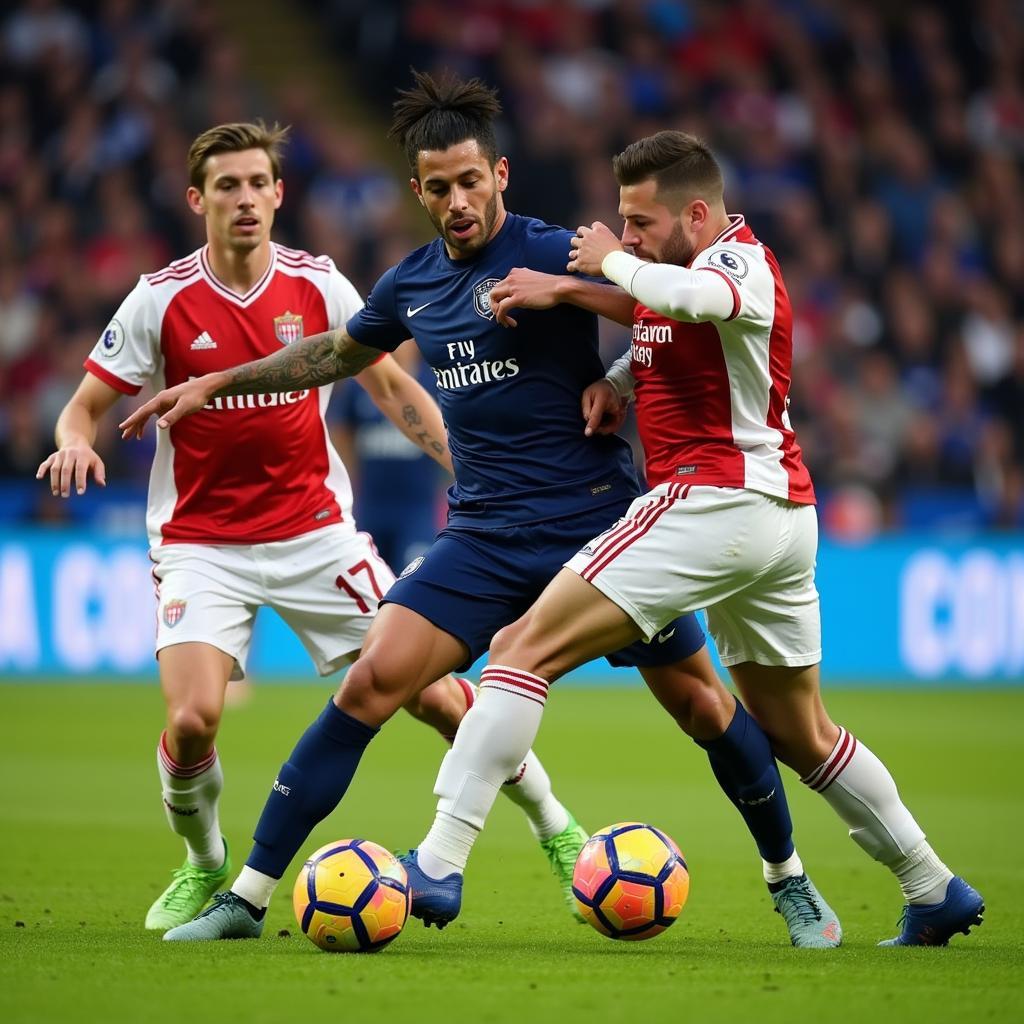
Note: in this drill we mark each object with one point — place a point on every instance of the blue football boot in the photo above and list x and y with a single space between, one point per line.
933 924
434 900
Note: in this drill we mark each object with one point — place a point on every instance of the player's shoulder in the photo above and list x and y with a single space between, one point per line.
539 245
176 274
299 259
737 253
532 229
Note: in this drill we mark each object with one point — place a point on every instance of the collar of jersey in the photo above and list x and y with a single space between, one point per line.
222 289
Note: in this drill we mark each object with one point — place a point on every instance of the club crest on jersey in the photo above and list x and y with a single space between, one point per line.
112 341
481 296
731 262
173 611
288 328
411 567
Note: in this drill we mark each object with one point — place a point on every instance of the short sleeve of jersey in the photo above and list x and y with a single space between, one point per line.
343 301
745 270
548 248
377 324
128 351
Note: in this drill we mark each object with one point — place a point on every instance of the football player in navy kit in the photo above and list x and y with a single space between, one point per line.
531 488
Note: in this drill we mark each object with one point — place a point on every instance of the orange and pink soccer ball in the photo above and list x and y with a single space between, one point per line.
630 881
352 896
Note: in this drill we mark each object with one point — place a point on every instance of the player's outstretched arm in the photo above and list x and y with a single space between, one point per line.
408 405
531 289
75 435
318 360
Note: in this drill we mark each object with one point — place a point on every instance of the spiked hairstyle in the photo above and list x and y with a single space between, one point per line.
438 113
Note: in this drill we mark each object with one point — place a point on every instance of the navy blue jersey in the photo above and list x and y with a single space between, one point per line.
510 396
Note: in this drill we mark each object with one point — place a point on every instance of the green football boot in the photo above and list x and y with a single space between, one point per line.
812 923
227 917
188 893
562 851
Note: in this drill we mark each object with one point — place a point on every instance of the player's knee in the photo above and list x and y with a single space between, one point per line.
506 643
192 725
701 710
371 687
436 706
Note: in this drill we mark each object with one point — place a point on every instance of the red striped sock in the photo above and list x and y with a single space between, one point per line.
516 681
828 771
182 771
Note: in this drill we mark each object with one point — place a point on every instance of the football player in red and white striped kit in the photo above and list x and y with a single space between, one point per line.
729 523
249 504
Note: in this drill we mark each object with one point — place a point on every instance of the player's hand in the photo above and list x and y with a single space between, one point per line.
170 405
523 289
589 248
72 461
603 410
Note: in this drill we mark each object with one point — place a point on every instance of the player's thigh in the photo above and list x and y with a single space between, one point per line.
206 596
194 677
787 703
776 618
327 586
570 624
406 651
677 549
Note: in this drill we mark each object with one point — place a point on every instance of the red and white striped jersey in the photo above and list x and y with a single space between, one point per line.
247 469
712 396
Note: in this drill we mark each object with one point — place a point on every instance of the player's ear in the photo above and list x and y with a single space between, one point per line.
278 193
501 173
414 184
194 198
697 214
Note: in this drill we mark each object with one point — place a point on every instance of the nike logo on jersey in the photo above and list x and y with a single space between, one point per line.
204 341
410 312
662 637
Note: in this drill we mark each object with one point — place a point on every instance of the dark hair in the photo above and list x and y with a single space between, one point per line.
436 114
677 161
234 138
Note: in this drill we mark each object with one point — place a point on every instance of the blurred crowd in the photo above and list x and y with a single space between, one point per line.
877 148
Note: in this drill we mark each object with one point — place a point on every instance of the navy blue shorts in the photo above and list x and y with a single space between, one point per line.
471 583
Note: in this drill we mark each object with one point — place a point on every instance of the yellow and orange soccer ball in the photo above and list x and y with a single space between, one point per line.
352 896
630 881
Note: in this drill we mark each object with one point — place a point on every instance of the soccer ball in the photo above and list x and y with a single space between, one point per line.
630 881
352 896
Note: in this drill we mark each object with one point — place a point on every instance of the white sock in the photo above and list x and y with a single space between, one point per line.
922 876
254 886
530 789
492 742
791 867
190 794
863 793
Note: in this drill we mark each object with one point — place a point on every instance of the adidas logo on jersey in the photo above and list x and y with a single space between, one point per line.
204 341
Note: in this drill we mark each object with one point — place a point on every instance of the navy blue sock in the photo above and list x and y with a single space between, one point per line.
745 768
308 787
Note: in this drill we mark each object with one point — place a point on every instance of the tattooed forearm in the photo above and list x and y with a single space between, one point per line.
306 364
411 416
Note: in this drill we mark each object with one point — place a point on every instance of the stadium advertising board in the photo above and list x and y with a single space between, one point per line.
897 610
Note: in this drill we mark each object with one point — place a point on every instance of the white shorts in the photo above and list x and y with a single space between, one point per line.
325 584
746 557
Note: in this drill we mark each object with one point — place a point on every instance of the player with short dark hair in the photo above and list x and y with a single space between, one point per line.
249 504
530 488
729 523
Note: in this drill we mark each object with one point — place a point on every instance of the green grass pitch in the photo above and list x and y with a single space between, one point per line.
84 849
